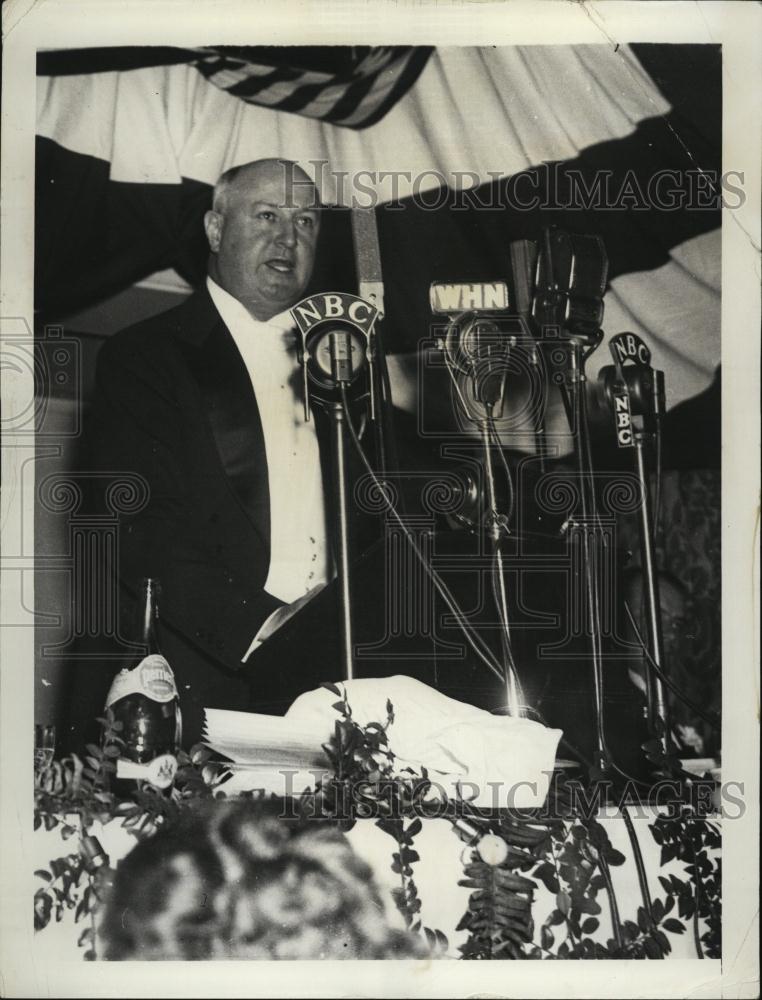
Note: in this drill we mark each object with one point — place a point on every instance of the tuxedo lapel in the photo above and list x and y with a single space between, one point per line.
216 365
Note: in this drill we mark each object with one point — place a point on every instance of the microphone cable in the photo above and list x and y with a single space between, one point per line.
712 720
475 642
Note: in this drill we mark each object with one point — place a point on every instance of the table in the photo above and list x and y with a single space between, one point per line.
436 875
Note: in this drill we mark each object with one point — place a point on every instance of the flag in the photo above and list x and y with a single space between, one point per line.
355 95
350 86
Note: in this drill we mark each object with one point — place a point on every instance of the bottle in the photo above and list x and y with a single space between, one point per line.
144 699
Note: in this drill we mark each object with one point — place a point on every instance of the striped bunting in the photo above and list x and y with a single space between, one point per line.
355 96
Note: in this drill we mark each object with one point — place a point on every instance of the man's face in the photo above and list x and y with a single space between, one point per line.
263 238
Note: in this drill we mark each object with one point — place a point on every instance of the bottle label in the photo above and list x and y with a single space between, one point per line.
159 772
152 677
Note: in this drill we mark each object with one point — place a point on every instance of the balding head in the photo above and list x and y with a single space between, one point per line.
262 231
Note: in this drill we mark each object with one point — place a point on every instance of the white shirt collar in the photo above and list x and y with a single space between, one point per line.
236 316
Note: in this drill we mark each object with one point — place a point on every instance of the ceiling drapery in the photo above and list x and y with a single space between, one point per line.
126 159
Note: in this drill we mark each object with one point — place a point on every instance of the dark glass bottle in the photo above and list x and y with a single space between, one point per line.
144 699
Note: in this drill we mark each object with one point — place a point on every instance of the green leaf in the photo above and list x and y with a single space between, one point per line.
586 905
652 949
667 854
589 926
674 926
632 929
563 902
597 882
199 754
546 873
415 828
41 873
43 906
332 688
471 883
546 938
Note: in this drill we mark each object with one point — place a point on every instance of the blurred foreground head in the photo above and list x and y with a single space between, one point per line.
232 881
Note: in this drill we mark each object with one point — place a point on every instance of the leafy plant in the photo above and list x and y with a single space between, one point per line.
512 853
73 794
363 766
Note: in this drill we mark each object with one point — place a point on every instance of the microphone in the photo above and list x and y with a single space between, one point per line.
631 387
478 340
337 349
341 348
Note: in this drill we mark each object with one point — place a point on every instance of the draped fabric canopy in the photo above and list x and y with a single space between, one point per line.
126 160
487 112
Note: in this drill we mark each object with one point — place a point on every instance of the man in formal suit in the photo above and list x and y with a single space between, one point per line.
202 403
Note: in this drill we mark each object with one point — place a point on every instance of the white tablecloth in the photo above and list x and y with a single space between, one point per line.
436 875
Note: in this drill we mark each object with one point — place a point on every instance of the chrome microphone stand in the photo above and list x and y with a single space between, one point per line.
655 687
637 391
344 573
497 530
573 392
567 311
482 353
337 346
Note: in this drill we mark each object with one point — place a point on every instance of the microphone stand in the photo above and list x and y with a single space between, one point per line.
340 491
649 403
638 391
656 695
496 530
489 390
338 343
575 404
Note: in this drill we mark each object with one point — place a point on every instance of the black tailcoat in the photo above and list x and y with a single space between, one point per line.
174 404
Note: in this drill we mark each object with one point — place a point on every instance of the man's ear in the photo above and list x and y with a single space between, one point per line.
213 223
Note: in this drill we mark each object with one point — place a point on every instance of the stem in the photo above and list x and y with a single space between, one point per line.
641 868
697 881
93 897
615 921
569 933
403 883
